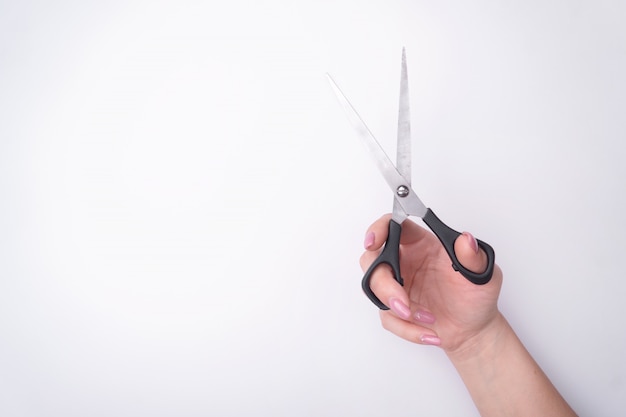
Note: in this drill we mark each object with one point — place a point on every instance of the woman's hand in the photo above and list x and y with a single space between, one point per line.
437 305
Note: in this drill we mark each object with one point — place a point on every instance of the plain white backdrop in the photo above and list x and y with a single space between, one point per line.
183 202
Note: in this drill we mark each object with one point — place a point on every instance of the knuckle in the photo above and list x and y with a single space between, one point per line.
385 320
364 260
416 337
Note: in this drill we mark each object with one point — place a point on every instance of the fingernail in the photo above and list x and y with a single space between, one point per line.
369 240
429 339
397 306
472 241
424 317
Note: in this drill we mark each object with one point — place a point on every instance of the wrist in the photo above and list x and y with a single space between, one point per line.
502 377
485 343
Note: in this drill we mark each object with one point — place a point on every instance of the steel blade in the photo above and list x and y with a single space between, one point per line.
410 203
403 148
403 155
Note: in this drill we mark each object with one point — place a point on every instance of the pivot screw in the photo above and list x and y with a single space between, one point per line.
402 191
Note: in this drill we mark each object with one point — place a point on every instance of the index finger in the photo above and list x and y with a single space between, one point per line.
377 233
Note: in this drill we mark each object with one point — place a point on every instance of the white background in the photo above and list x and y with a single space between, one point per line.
183 201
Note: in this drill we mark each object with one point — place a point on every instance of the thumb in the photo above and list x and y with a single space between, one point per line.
386 288
469 254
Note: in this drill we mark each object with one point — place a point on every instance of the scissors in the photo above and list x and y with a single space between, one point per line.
405 202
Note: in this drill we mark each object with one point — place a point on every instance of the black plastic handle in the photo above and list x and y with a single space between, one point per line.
390 256
447 236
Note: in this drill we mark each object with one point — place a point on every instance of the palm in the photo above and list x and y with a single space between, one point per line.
461 308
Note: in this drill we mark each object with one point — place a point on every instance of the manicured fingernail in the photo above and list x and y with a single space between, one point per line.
429 339
424 317
472 241
397 306
369 240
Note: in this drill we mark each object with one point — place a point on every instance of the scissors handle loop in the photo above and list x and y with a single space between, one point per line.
447 236
390 255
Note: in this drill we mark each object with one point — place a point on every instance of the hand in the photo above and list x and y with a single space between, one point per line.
437 305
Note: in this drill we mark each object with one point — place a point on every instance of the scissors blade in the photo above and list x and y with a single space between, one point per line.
411 204
403 157
403 149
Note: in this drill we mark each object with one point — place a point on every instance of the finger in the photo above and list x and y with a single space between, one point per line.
408 331
469 254
377 233
412 232
386 288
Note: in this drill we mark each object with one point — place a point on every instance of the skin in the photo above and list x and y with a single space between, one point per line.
438 306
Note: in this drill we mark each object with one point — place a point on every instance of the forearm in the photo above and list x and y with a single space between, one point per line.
503 379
